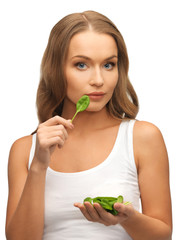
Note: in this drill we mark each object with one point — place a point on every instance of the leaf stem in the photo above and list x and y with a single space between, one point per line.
74 116
127 203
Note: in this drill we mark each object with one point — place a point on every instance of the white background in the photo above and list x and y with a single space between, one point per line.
154 35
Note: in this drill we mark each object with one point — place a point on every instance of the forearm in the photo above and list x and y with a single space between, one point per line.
28 219
142 227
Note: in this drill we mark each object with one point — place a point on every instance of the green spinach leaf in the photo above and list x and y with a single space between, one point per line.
106 202
81 105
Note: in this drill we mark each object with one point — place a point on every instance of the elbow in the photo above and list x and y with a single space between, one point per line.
7 236
7 233
169 236
19 235
167 233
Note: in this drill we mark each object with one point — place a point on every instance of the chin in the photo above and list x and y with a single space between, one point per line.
95 108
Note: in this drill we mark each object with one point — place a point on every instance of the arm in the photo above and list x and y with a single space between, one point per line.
153 175
155 221
25 210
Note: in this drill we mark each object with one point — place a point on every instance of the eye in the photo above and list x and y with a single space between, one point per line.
81 65
109 65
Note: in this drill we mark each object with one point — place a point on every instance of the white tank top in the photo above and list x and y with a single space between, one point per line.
116 175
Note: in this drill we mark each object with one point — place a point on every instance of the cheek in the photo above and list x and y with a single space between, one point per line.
75 79
72 86
112 84
72 83
75 85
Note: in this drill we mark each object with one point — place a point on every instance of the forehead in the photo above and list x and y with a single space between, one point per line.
90 43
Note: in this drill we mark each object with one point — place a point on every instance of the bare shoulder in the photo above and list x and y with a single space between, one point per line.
18 165
146 130
148 140
22 144
20 149
146 133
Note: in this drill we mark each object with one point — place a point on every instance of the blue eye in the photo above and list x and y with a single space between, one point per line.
109 65
81 65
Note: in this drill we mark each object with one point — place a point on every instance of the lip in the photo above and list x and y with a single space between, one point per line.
96 95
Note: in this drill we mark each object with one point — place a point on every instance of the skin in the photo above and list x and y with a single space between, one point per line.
95 70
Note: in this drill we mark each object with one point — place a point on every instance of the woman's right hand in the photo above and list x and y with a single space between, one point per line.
50 134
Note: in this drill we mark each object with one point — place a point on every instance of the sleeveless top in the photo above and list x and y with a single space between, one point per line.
116 175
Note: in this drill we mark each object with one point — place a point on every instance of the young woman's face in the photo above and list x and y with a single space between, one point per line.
91 68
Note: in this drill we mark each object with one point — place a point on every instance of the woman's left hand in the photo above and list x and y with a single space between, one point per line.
96 213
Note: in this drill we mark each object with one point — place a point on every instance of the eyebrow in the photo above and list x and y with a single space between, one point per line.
87 58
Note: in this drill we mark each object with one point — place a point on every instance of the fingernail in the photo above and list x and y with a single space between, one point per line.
71 125
117 206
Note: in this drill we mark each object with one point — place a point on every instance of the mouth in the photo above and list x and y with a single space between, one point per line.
96 95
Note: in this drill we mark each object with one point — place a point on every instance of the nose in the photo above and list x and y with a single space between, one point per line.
97 77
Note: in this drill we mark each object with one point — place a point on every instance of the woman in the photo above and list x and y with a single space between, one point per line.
104 152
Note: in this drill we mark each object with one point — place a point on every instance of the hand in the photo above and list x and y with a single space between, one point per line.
96 213
50 134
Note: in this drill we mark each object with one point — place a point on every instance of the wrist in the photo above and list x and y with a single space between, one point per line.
37 166
131 219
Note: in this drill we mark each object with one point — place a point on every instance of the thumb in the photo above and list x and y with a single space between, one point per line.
119 207
123 208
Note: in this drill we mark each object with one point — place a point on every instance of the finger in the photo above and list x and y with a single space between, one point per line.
61 136
53 134
125 210
58 130
47 143
107 217
92 212
58 120
64 135
63 131
83 210
121 208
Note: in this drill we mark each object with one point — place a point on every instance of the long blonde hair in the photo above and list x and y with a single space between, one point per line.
52 86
